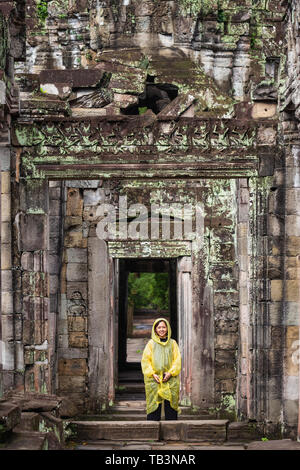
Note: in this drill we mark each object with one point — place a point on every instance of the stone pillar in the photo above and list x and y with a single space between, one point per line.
99 324
31 228
7 349
72 319
243 385
202 336
54 271
184 290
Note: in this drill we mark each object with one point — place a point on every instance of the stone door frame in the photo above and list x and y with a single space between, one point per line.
117 250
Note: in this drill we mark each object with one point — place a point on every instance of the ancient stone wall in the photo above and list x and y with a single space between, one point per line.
11 348
289 287
197 98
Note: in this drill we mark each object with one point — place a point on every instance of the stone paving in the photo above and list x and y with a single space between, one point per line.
283 444
157 446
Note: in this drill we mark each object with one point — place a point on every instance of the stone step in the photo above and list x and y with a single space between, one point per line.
194 430
125 387
127 406
27 440
131 393
243 432
123 407
115 431
138 416
182 430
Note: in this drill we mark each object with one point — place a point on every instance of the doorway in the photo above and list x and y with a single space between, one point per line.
147 290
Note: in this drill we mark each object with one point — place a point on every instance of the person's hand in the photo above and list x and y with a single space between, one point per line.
167 376
156 378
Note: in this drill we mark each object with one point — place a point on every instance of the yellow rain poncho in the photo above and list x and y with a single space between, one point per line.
159 357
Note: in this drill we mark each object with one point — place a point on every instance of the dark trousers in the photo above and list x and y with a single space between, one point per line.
170 413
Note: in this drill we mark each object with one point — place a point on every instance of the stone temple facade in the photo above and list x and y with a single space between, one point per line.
155 102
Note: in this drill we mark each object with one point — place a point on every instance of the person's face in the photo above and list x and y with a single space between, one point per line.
161 329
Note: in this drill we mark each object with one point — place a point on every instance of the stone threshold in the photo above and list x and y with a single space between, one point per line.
185 431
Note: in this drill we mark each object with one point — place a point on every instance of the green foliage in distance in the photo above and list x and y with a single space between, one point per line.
42 10
149 290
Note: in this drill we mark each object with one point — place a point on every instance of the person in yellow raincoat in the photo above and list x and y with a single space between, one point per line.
161 365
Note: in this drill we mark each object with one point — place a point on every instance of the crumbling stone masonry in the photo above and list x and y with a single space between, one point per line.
164 102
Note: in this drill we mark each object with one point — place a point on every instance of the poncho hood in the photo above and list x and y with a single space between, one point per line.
155 337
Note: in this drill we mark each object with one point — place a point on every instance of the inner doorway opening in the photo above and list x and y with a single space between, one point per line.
147 291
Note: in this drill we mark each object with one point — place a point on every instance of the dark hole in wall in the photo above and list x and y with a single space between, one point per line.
156 97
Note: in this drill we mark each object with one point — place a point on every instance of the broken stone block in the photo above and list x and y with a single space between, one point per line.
89 112
264 92
46 105
145 120
54 425
68 409
62 90
124 101
10 416
76 78
178 106
93 98
124 79
29 422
